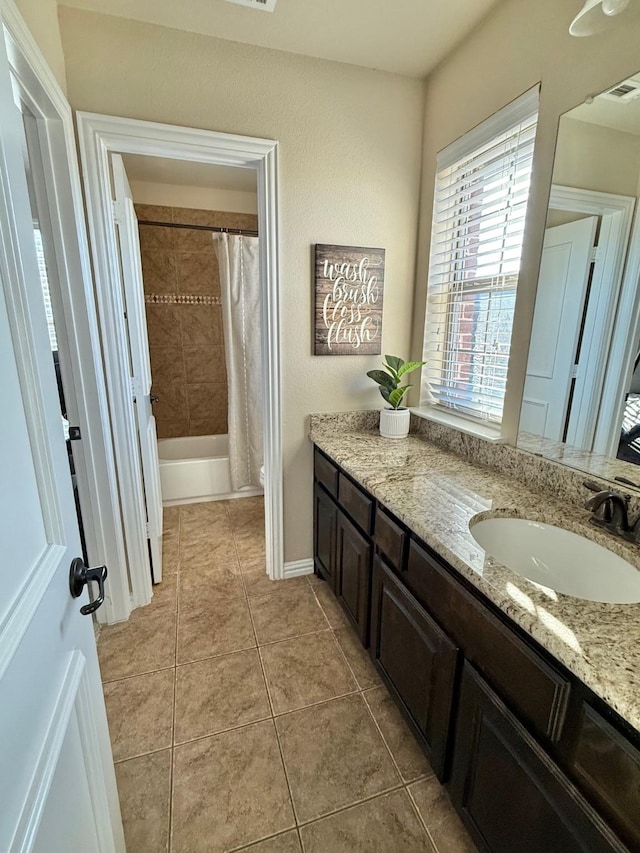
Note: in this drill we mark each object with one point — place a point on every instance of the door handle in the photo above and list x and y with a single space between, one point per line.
154 399
79 576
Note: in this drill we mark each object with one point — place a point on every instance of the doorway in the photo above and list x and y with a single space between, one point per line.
101 139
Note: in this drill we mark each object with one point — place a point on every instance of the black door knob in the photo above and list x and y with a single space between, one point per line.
79 576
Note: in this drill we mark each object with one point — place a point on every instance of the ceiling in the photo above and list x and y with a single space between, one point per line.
161 170
623 116
406 37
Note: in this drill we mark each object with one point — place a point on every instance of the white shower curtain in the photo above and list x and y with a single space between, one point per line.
241 315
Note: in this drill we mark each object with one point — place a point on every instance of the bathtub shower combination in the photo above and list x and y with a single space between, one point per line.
197 469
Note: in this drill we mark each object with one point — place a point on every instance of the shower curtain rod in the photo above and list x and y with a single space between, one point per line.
243 231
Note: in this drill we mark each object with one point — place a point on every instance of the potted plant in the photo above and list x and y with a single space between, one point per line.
394 418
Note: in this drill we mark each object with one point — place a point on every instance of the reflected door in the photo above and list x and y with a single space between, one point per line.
553 364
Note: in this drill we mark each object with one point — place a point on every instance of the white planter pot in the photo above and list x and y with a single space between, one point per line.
394 423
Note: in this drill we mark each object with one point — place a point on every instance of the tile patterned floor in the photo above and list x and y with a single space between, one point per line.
245 715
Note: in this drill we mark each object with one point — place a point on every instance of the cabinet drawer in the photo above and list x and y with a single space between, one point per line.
356 503
325 472
509 793
523 678
390 538
607 768
417 660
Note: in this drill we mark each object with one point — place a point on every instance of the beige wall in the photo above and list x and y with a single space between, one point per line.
200 198
41 16
591 157
350 141
518 45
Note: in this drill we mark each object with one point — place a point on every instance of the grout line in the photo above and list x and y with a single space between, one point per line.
138 674
175 687
143 754
421 819
384 740
223 731
391 790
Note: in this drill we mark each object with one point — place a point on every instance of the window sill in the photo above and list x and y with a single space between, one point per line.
485 431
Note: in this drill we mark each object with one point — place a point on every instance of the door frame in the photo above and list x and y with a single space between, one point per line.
99 136
616 215
85 388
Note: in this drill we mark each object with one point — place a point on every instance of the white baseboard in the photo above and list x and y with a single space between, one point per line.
298 568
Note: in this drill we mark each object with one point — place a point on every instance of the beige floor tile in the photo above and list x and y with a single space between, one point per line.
229 790
209 551
140 713
387 824
165 592
208 586
334 757
170 518
170 552
278 617
440 818
250 546
357 658
144 786
244 511
257 582
332 609
218 694
305 670
315 580
206 630
145 642
288 842
409 757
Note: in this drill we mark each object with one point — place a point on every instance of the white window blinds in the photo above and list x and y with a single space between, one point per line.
480 205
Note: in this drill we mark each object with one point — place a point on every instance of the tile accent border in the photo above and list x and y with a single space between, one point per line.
181 299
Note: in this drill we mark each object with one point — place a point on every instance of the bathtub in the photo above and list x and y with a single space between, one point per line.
196 468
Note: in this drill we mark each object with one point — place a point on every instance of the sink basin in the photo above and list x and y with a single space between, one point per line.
559 559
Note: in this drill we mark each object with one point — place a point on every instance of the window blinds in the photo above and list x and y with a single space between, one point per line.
480 204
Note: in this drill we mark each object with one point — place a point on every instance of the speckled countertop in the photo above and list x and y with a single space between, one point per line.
436 493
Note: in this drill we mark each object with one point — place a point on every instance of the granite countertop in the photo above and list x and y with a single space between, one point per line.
436 493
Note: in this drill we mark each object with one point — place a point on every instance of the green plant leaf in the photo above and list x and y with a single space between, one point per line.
386 393
382 378
394 363
396 396
409 367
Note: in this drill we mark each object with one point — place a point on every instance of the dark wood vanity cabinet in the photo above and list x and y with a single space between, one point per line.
509 793
325 520
534 761
417 660
343 549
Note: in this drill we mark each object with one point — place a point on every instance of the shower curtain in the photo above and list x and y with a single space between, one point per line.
241 316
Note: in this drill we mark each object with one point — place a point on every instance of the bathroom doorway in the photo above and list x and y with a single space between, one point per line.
183 309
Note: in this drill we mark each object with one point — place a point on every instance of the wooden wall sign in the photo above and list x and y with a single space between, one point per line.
349 284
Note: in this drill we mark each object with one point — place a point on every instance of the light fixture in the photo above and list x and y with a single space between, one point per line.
598 15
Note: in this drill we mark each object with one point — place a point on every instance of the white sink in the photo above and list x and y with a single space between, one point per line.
559 559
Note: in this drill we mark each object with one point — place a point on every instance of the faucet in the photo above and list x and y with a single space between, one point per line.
610 511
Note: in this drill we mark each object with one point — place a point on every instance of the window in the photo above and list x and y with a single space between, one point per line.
480 204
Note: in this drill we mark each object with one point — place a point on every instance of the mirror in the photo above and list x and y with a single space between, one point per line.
581 401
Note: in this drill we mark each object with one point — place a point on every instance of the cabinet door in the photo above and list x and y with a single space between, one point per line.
353 575
508 791
417 661
325 519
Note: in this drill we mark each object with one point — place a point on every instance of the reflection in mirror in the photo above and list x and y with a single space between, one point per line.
581 401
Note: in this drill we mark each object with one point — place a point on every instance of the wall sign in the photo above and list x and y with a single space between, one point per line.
349 283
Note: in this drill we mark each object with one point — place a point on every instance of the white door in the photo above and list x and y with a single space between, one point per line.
133 291
560 302
57 783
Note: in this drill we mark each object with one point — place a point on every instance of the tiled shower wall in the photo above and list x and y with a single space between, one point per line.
184 318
